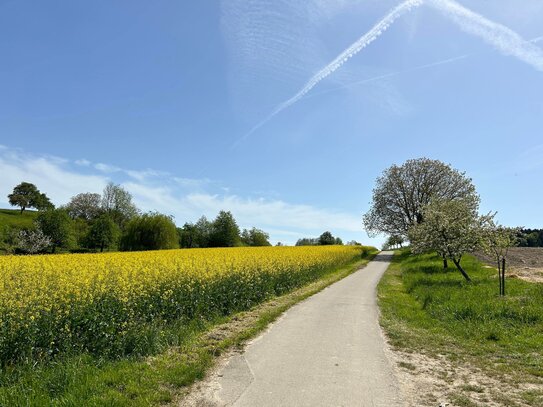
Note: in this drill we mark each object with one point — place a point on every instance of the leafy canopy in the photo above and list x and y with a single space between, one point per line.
27 195
150 231
451 228
402 192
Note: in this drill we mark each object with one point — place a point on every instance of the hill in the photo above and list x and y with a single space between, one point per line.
11 220
14 218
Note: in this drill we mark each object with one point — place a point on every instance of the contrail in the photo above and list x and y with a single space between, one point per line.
354 49
397 73
389 75
498 35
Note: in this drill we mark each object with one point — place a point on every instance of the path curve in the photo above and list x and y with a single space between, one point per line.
326 351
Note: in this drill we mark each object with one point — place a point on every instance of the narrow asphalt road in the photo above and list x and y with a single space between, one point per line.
325 351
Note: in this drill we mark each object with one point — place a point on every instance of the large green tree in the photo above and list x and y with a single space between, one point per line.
103 233
117 202
85 206
27 195
150 231
56 224
255 237
197 234
402 192
326 239
225 231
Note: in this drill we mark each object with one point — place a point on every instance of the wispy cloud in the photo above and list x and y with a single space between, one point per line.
83 162
375 32
184 198
499 36
50 174
389 75
402 72
108 169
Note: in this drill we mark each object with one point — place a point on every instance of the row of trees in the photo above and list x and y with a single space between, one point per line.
325 239
221 232
111 221
530 238
436 208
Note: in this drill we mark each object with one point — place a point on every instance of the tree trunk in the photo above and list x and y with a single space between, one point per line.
22 209
101 247
503 277
461 270
445 263
500 274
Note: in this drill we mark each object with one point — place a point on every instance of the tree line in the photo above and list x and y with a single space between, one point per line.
221 232
530 238
325 239
111 221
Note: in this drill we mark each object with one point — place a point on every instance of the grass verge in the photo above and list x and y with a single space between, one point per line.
497 343
160 379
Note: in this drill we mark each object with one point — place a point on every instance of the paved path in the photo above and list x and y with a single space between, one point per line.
325 351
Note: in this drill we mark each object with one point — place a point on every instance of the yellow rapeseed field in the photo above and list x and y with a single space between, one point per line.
104 303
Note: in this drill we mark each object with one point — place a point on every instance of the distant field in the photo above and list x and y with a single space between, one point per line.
523 262
14 218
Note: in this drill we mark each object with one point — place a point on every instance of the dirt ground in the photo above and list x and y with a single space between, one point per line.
435 381
522 262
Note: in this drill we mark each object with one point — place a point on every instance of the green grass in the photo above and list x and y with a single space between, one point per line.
12 221
188 352
428 310
14 218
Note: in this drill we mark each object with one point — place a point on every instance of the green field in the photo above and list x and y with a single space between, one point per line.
436 313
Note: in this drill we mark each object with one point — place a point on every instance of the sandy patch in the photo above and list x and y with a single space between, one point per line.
427 381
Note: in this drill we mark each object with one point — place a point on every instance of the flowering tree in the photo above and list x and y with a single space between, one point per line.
33 241
451 228
402 192
496 241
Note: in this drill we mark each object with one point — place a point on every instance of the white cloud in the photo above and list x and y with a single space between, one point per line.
106 168
48 173
82 162
184 198
499 36
191 182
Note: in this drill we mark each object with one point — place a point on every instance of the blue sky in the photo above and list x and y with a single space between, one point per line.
161 96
